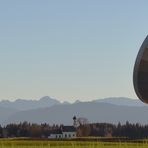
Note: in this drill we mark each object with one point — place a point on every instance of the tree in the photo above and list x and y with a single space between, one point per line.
82 121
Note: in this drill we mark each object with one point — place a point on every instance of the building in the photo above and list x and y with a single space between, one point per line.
69 132
63 132
56 134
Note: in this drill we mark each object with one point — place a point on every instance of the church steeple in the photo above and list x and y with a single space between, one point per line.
75 121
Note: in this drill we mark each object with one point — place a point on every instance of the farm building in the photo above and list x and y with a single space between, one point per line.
55 134
63 132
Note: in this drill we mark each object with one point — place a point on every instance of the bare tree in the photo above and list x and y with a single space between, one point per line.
82 121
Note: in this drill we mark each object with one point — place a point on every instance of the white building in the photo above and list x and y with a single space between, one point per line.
56 134
63 132
69 132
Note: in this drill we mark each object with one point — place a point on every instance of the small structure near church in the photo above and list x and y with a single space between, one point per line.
55 134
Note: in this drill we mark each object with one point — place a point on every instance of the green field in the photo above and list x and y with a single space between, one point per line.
22 143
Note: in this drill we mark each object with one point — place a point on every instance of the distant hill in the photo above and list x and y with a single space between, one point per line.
122 101
94 112
5 113
46 109
21 104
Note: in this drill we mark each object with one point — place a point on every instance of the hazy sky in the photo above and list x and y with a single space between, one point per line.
70 49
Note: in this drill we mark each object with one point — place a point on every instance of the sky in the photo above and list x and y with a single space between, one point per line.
70 50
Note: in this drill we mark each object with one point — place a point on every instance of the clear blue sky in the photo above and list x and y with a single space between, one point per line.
80 49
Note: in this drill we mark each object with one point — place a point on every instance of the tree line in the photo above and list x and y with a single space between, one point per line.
128 130
27 129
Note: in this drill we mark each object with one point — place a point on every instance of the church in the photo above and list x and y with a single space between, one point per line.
63 132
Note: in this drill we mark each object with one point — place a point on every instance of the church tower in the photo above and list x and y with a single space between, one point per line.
75 121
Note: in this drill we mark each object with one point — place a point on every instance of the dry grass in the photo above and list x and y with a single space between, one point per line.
16 143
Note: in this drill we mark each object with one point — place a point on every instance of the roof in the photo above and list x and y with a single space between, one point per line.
68 129
56 131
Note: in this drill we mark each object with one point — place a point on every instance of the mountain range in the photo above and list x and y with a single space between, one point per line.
22 104
52 111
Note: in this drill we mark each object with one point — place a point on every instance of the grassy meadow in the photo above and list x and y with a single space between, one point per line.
22 143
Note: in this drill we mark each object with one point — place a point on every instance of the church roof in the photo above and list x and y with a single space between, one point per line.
68 129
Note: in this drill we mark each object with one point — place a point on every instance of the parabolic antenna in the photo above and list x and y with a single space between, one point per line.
140 76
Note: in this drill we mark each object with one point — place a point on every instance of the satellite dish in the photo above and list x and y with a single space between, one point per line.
140 76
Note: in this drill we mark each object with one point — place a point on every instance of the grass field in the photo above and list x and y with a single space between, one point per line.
22 143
